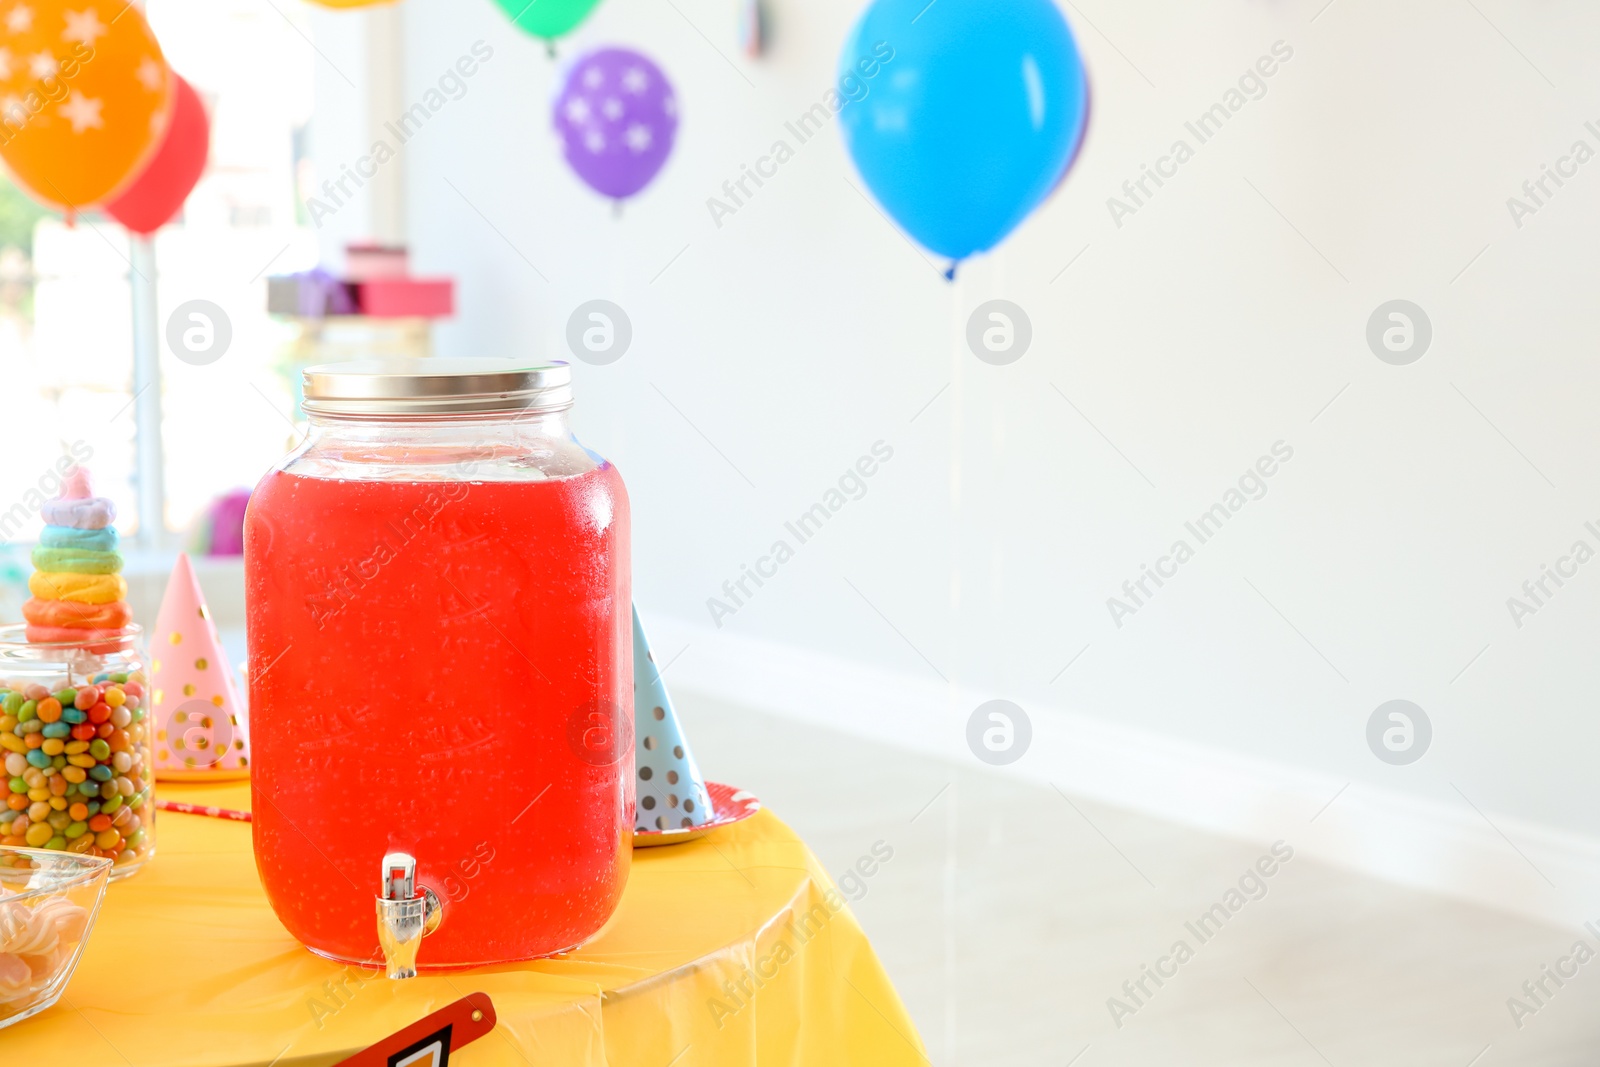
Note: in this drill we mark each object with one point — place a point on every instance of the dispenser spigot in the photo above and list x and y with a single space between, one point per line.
406 914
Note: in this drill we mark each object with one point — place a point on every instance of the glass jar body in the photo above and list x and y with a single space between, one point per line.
77 747
437 610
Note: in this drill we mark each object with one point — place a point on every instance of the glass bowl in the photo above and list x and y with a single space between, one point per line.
48 903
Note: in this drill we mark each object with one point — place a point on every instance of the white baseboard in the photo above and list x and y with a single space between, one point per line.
1448 849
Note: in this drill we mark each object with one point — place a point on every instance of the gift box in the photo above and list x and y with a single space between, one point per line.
364 262
312 294
401 298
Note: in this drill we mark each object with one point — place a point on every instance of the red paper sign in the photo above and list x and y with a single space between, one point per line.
429 1041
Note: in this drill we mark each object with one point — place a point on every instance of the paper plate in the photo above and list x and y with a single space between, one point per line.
731 805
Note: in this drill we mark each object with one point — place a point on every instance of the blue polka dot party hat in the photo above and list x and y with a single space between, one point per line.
672 794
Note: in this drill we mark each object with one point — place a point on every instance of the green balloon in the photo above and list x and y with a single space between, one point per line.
547 18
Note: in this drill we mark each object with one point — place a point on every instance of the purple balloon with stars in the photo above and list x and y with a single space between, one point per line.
618 117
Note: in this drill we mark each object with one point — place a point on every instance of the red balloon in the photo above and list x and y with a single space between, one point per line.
157 195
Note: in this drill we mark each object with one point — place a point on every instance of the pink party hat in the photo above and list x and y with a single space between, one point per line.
201 729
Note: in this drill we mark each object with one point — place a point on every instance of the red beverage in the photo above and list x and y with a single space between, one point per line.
442 668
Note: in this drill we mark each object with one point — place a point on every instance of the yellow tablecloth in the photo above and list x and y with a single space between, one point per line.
188 967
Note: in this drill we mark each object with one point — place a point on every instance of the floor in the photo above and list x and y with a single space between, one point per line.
1010 914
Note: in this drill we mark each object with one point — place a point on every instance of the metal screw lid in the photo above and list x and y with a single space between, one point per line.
420 387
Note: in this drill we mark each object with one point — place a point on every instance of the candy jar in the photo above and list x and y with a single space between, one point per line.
76 739
440 668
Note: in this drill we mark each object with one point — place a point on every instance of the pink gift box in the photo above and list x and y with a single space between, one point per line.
397 298
363 262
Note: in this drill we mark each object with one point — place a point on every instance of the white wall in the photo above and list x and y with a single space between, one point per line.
1204 329
348 76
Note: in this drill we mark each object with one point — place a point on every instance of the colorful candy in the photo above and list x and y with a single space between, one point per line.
78 767
38 941
77 585
78 588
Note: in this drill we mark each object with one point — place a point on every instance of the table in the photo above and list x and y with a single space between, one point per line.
188 967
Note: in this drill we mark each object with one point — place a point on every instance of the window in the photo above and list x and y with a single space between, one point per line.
66 342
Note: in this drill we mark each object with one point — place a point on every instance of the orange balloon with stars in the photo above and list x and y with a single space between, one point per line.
85 97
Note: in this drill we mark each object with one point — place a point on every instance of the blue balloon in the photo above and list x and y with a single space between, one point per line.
969 118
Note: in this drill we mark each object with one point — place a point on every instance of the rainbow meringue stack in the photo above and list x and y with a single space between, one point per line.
78 590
